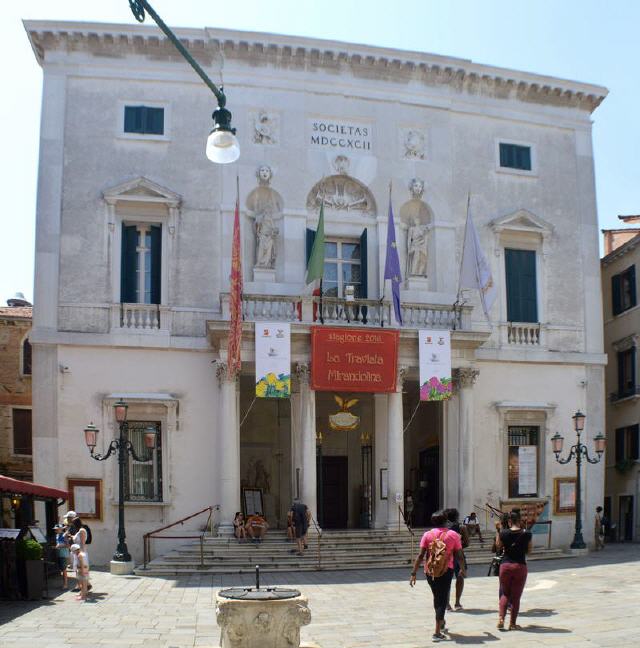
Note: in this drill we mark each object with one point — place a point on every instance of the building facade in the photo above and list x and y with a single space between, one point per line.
15 395
133 252
621 327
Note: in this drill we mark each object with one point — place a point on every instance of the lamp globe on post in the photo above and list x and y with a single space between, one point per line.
600 443
91 436
578 421
120 409
222 143
150 438
557 442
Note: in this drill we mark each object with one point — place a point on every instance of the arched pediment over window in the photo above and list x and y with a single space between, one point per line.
341 192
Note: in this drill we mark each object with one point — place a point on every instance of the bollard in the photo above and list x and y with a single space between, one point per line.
257 577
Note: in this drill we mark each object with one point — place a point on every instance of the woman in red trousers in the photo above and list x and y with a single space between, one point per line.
516 543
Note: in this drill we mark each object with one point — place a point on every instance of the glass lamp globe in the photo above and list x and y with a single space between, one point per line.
222 147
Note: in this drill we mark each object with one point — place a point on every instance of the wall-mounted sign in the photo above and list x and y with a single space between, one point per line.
340 135
353 359
435 365
273 360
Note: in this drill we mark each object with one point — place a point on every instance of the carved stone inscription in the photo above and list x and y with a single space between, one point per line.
340 135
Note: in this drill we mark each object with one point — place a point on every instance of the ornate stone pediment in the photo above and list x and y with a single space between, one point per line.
341 193
522 221
142 190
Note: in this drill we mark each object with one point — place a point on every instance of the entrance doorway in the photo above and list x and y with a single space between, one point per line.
626 518
429 479
335 492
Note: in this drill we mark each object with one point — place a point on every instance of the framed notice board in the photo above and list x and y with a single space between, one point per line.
85 497
564 496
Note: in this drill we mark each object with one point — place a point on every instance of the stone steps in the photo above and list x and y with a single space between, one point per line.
340 550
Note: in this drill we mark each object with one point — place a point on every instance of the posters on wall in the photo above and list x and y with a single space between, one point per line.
273 360
435 365
528 462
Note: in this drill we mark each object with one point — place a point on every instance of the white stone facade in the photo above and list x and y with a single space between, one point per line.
350 119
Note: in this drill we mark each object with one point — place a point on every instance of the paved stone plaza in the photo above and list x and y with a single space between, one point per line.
590 601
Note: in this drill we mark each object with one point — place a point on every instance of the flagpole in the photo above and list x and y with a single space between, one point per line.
464 242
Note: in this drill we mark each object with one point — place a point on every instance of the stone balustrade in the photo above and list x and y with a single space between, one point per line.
144 317
358 312
524 333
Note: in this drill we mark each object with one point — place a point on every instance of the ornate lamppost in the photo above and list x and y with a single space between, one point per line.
123 446
222 144
578 451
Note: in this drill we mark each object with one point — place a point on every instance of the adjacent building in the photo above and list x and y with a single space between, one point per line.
133 253
15 394
621 334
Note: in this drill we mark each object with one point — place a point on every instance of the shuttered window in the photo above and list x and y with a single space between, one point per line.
22 432
141 264
626 372
143 479
522 293
514 156
144 120
623 290
628 443
26 358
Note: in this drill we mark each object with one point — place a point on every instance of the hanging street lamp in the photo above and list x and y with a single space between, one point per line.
578 451
222 144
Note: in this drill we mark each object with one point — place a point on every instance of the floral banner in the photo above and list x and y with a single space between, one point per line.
273 360
435 365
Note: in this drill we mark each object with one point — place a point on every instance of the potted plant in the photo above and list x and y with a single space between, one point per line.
30 553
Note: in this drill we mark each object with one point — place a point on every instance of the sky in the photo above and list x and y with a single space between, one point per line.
582 40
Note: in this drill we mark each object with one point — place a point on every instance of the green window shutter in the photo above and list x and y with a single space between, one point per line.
364 275
128 264
632 285
154 121
310 238
156 264
616 300
620 444
522 294
634 442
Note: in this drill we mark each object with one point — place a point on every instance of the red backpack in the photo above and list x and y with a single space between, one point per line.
437 559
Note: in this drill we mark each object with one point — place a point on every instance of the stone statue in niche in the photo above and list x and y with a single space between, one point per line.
415 214
417 249
265 128
265 205
414 145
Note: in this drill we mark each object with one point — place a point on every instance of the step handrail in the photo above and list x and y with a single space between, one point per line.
154 534
319 532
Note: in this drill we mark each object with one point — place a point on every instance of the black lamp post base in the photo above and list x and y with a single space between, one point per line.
578 542
122 556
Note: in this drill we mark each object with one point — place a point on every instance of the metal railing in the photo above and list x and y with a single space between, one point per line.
407 523
154 534
319 532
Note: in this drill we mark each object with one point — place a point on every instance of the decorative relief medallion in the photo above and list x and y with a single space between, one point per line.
342 193
266 127
413 144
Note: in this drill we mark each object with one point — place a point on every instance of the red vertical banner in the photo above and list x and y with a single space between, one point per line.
235 299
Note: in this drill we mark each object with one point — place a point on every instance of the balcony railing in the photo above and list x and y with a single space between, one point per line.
627 393
523 333
145 317
359 312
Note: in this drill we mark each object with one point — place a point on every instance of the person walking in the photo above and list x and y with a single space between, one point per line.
301 516
440 546
516 543
599 528
453 522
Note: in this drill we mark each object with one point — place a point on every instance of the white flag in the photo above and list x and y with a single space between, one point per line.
475 272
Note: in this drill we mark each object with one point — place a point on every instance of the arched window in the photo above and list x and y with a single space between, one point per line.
26 357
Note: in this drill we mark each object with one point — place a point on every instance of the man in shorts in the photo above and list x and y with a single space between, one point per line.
301 517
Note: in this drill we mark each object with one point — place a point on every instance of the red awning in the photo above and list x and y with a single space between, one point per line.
17 487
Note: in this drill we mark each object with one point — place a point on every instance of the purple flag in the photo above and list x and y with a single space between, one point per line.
392 265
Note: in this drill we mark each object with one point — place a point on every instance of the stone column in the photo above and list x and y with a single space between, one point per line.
465 378
395 449
308 483
228 463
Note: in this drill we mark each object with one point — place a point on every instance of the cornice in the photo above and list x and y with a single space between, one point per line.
289 52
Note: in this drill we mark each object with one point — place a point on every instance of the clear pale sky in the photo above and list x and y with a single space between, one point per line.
584 40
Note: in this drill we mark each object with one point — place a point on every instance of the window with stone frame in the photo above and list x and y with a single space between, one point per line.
627 443
141 263
523 473
521 284
143 479
515 156
22 432
623 290
144 120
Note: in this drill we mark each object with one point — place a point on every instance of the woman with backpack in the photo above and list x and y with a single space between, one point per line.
516 544
439 545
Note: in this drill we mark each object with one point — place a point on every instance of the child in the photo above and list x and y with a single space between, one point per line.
63 553
82 571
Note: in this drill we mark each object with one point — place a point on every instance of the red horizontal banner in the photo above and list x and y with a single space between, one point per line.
353 359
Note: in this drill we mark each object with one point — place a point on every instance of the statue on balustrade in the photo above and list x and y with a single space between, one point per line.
415 215
266 239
